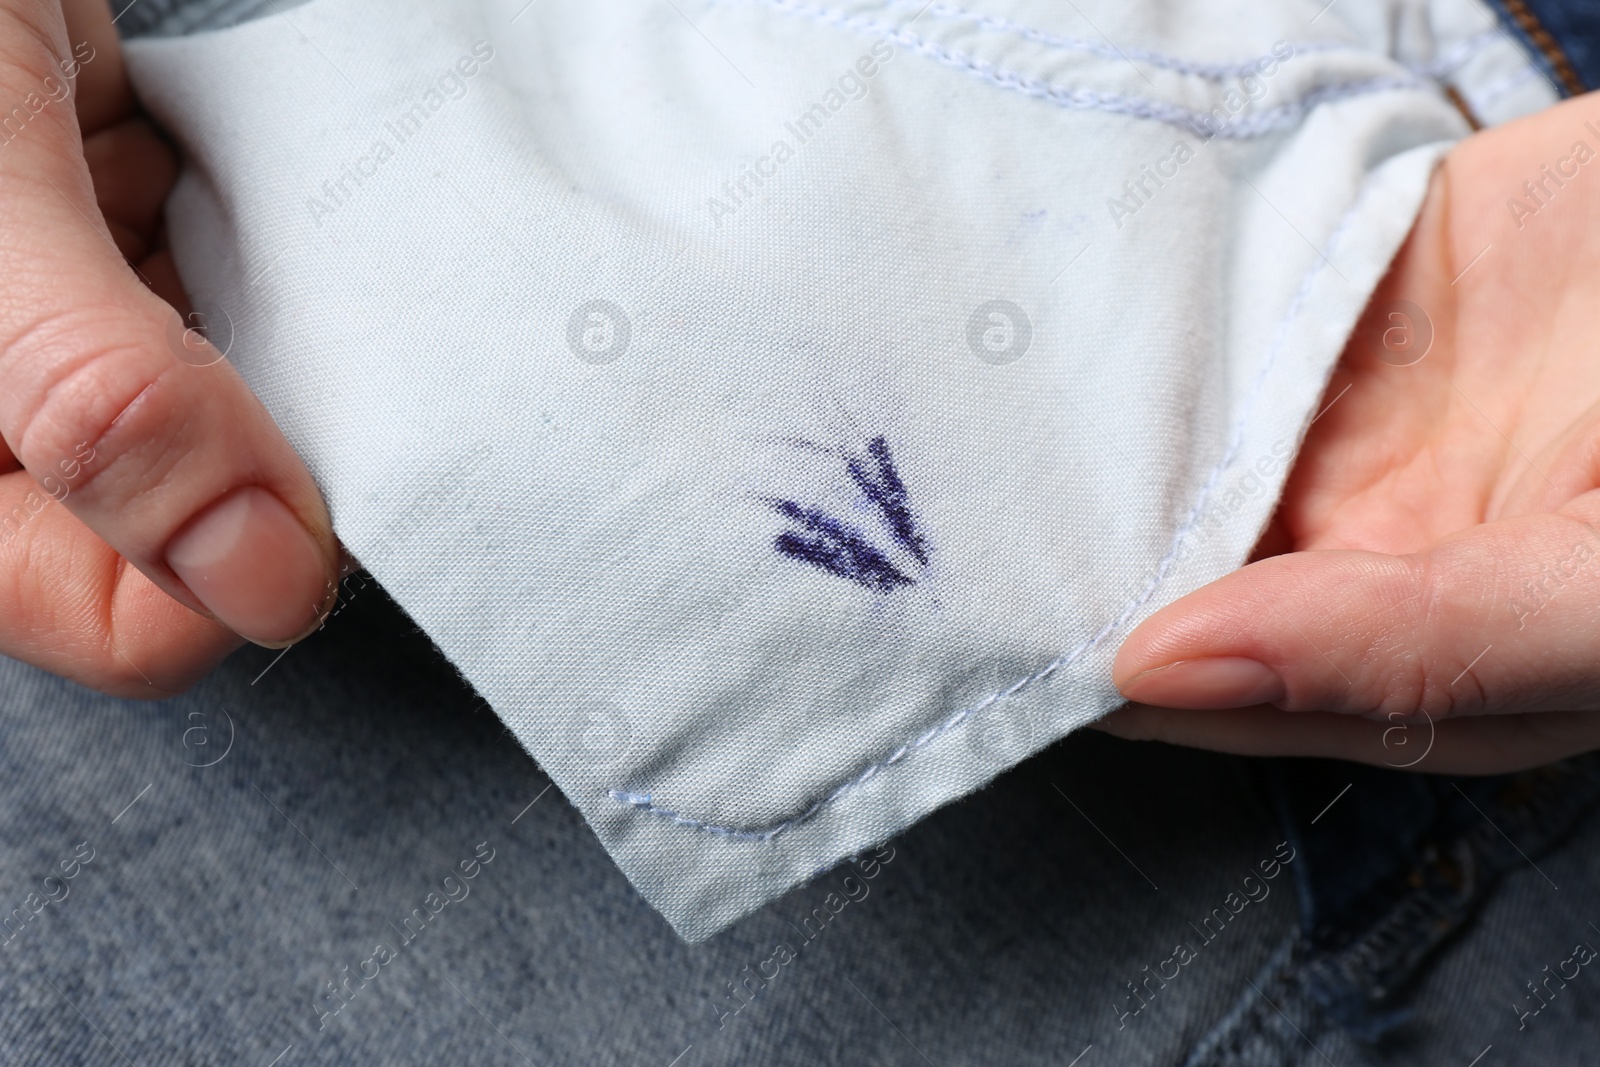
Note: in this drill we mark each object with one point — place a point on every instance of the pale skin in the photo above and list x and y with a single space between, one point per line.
1394 588
1437 552
194 522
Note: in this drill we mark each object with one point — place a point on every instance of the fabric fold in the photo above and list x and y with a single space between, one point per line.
780 411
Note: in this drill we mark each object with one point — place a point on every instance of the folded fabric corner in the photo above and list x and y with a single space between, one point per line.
779 411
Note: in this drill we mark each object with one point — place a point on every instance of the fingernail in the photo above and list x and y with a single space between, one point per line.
254 566
1207 684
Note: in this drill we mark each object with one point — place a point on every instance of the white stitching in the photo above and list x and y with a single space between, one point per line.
1201 123
1198 68
1456 56
644 802
1498 89
1448 61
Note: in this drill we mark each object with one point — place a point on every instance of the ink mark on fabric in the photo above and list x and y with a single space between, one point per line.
1279 343
845 551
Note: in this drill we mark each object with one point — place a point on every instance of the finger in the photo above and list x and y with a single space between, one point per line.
161 277
178 467
1489 744
94 62
88 615
1502 618
133 170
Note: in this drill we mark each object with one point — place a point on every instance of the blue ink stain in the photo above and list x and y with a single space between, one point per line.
885 489
836 548
841 549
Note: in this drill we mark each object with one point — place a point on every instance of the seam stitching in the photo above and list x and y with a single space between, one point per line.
1201 123
1166 61
1448 61
1500 88
644 801
1457 56
1541 38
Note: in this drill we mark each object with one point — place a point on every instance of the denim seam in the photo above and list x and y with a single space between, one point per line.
1246 1021
1380 958
1055 42
1534 32
1200 123
645 802
1452 58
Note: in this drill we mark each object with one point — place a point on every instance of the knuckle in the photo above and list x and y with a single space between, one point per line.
1397 689
1416 687
1403 659
94 409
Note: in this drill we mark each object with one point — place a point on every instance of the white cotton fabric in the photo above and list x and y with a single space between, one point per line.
775 502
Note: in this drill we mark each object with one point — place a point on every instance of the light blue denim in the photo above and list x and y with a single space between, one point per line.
262 836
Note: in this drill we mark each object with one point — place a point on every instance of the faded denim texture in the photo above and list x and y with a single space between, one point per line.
262 837
361 773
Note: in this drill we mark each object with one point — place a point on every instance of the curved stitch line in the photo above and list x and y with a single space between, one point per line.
1201 123
1447 62
1198 68
645 802
1500 88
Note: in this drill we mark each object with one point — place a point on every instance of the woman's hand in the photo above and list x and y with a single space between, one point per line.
150 511
1430 595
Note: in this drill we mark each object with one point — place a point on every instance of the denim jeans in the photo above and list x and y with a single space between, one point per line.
336 855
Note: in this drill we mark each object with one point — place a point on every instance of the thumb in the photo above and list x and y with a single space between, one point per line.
175 465
1499 619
